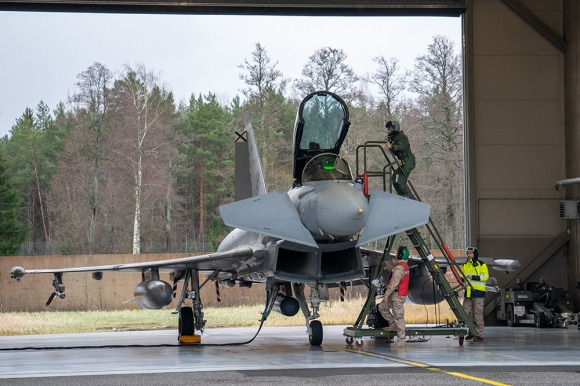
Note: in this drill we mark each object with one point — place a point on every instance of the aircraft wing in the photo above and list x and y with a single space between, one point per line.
390 214
504 265
271 214
207 262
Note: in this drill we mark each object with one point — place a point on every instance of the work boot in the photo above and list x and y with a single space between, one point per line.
477 339
391 327
469 337
399 344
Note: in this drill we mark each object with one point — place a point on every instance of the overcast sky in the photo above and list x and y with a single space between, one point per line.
42 53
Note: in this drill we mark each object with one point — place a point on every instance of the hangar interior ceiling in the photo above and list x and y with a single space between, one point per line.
521 114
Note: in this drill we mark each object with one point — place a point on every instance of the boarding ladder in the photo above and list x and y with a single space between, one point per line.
464 323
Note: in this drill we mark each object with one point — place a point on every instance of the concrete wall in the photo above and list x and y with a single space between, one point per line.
84 293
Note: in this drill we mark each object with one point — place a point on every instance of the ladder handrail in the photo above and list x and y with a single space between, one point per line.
391 162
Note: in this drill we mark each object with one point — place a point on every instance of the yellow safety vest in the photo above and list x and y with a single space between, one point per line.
479 270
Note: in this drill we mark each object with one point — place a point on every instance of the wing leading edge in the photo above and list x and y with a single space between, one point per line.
390 214
206 262
271 214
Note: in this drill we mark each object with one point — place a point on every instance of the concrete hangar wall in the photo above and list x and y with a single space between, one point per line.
521 128
521 114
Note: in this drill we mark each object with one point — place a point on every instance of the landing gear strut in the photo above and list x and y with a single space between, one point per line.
318 293
190 318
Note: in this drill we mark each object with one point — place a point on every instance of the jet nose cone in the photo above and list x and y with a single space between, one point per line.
342 210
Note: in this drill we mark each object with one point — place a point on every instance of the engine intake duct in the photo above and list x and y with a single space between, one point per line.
332 263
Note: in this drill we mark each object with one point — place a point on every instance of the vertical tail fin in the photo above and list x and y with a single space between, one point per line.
249 179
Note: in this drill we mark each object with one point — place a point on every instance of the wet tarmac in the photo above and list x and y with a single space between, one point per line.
516 355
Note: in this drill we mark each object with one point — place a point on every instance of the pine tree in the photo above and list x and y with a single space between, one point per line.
12 235
206 170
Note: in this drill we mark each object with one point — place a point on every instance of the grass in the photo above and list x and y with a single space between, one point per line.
331 313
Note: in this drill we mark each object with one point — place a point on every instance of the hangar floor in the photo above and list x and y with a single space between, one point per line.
281 351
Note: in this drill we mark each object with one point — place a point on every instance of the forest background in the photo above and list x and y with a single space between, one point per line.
121 167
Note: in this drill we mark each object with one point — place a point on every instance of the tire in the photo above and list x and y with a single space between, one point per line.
316 333
540 320
510 316
185 326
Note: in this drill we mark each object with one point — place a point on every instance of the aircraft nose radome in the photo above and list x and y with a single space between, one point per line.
341 210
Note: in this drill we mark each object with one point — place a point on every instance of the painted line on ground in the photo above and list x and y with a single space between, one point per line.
423 366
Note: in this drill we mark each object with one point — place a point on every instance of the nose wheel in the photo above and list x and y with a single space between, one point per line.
315 334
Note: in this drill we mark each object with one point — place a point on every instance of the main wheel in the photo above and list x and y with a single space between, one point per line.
185 326
315 336
510 316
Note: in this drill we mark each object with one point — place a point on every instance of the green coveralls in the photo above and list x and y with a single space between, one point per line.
402 150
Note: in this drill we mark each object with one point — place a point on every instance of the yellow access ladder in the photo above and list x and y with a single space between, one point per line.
464 324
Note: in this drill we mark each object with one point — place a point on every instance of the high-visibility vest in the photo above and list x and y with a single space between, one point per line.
403 288
479 270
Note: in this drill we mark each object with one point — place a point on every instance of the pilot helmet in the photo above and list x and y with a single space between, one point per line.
394 126
403 253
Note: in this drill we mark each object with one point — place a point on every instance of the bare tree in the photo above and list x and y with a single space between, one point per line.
327 71
438 82
391 84
144 113
261 76
93 95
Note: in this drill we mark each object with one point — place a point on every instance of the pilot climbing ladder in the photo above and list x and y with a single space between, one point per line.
464 325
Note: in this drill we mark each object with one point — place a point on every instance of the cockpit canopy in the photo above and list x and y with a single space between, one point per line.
321 126
326 166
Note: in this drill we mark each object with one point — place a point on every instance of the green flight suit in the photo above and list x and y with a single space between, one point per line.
402 150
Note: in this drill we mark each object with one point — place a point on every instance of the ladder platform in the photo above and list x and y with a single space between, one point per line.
356 332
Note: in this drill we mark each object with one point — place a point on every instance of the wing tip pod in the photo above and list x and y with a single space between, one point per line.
17 273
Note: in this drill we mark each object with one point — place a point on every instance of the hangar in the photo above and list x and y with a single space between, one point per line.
522 114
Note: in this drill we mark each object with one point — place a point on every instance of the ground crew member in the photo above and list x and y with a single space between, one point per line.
477 274
392 305
398 142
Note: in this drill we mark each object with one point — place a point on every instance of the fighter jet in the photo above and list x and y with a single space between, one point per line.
310 236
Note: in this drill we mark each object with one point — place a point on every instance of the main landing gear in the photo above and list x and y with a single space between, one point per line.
190 318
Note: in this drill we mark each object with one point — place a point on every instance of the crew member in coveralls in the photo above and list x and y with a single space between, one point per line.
392 306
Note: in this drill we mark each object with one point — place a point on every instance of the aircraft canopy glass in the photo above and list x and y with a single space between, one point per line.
326 166
324 116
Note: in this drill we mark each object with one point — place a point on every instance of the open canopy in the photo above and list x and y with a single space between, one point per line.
321 126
